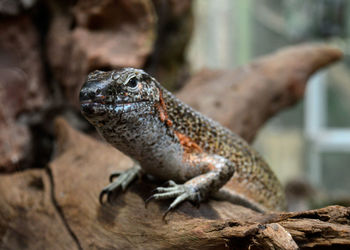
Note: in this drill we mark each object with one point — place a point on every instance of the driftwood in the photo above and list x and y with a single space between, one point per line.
58 208
244 98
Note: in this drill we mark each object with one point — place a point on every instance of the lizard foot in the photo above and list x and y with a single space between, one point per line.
183 192
123 180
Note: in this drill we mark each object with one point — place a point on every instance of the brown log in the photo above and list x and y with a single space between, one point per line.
244 98
29 219
79 173
82 165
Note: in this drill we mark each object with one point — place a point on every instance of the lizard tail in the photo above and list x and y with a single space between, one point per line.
238 199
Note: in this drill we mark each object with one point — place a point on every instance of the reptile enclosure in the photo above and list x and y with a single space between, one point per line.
49 198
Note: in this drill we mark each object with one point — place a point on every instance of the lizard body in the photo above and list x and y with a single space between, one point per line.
172 141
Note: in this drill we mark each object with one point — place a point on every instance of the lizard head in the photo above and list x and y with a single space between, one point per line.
119 94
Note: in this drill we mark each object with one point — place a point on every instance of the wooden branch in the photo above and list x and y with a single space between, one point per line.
80 172
82 165
244 98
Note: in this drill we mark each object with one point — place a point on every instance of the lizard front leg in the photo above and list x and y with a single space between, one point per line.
216 171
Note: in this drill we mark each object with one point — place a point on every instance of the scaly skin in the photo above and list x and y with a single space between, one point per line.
171 141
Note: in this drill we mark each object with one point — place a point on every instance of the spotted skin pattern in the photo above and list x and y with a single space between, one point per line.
171 141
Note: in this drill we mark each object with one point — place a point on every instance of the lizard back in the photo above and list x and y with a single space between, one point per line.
253 177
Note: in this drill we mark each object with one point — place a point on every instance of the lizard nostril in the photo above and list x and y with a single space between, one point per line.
85 95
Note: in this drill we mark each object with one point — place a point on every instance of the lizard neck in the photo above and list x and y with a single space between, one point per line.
145 136
132 133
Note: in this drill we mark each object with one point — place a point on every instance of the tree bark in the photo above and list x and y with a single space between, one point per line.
244 98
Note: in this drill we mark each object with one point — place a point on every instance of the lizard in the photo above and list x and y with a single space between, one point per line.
171 141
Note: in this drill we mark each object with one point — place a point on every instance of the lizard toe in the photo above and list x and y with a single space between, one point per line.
181 193
121 183
165 189
175 203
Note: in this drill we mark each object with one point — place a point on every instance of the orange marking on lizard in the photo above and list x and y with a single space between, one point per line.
211 167
163 114
188 144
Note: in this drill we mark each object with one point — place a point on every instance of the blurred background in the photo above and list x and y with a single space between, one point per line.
48 47
308 146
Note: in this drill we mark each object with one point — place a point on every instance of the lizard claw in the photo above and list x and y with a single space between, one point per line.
102 194
166 213
108 191
114 174
124 179
149 199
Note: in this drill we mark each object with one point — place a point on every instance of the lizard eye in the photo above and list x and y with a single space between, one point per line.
132 83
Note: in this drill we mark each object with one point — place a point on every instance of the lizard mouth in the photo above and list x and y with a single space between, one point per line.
92 108
127 107
100 108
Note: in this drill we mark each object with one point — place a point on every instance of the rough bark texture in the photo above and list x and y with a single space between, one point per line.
107 34
58 208
29 218
79 173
